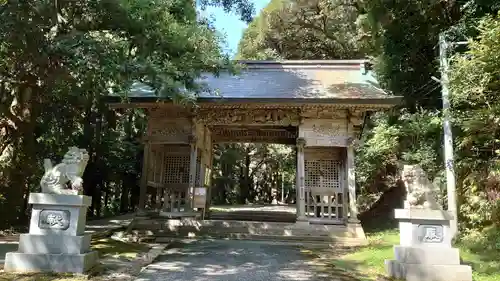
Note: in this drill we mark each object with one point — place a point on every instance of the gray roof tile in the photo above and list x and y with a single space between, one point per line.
289 80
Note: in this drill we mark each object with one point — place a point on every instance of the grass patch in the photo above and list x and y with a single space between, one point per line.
357 264
106 247
367 263
485 266
481 250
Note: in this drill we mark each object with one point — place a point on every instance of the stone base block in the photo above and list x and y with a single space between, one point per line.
76 263
356 230
58 213
427 255
54 244
427 272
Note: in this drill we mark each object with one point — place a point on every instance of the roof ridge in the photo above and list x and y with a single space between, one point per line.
284 63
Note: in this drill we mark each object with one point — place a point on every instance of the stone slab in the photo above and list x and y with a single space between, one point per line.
422 214
58 219
76 263
425 272
59 199
427 255
356 230
428 233
54 244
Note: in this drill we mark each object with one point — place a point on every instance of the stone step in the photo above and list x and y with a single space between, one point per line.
251 230
186 231
235 226
228 234
292 240
254 216
256 213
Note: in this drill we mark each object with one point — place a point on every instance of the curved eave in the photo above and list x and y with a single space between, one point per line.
146 102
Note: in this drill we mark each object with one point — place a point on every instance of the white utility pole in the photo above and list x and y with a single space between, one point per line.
448 137
282 188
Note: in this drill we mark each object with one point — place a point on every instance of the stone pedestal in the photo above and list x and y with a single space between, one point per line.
425 252
56 241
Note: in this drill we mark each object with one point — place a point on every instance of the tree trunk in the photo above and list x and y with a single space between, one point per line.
106 196
124 196
18 154
90 180
136 189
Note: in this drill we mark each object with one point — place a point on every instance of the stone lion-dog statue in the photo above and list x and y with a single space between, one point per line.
420 192
69 172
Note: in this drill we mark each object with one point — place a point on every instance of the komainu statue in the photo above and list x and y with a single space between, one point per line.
420 192
66 174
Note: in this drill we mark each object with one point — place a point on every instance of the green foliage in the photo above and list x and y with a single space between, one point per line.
244 8
474 82
402 37
393 140
248 173
302 29
58 59
253 43
367 263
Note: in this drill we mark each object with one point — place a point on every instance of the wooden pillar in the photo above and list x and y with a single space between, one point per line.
144 176
192 172
301 198
351 177
160 189
345 188
208 184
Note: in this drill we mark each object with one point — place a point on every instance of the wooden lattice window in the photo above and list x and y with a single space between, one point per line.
323 183
322 173
331 173
176 169
312 173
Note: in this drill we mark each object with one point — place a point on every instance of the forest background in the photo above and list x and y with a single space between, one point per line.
59 60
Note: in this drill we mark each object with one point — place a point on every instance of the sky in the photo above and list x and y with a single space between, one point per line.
230 25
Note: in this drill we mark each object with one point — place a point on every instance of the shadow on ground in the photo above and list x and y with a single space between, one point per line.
4 249
108 247
359 264
365 263
233 260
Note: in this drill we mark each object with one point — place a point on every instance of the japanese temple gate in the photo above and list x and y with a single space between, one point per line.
318 106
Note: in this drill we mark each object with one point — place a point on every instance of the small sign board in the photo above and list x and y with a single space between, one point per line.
200 197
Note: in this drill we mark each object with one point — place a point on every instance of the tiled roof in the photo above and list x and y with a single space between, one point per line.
326 80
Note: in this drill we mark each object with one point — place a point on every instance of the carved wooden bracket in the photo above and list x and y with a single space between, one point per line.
356 117
169 112
328 130
281 117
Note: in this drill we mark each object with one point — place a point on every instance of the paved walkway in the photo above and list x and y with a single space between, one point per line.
231 261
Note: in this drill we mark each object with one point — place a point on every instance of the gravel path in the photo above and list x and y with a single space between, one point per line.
230 261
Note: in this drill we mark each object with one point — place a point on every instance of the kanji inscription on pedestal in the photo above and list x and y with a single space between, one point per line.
431 233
